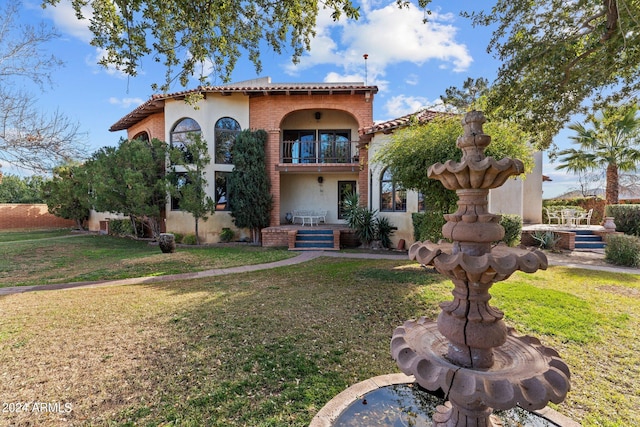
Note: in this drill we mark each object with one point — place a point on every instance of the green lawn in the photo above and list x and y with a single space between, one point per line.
270 348
46 257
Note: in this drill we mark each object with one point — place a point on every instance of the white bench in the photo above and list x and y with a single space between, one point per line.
308 216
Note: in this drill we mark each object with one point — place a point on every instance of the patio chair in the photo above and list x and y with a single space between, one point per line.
551 215
584 216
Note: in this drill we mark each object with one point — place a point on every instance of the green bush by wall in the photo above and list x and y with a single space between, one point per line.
623 250
626 217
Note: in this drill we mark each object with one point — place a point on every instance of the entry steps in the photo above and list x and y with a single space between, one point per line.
585 239
315 240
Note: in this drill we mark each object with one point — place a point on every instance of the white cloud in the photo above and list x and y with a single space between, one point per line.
126 103
389 35
412 79
401 105
64 18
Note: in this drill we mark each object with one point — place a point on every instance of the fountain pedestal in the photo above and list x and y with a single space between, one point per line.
469 353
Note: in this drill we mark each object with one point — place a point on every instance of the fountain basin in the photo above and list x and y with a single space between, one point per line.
396 400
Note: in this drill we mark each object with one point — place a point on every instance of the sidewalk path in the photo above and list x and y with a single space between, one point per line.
303 257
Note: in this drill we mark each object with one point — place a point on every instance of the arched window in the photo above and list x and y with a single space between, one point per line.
225 134
393 198
180 136
142 136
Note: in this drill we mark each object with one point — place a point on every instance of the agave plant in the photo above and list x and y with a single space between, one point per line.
546 239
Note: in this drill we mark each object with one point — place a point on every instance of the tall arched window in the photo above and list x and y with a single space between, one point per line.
225 134
393 198
142 136
180 136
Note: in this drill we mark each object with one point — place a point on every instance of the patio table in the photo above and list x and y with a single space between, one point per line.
569 216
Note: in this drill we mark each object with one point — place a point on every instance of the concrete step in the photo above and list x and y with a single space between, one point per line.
590 245
314 239
585 239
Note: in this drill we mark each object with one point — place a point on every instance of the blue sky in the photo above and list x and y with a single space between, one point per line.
412 63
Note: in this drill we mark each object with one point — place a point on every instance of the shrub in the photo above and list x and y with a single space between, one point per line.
512 225
623 250
384 230
178 237
367 226
226 235
428 226
120 227
189 239
626 217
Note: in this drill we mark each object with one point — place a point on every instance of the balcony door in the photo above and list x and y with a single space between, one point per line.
335 146
302 144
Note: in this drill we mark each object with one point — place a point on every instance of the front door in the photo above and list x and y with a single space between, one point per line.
344 188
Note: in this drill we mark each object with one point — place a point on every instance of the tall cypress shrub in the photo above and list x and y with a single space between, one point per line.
250 200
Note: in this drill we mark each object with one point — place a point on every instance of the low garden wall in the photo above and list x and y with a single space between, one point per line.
567 239
19 215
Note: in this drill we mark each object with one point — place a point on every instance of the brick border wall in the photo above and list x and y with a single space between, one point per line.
567 239
15 215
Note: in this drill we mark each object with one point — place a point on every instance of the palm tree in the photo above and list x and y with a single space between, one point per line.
612 142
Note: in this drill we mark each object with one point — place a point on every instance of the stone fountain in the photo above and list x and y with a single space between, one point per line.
470 354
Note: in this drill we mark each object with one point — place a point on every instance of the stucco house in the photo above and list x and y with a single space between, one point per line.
320 136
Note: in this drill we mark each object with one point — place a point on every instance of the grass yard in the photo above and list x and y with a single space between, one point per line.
270 348
59 256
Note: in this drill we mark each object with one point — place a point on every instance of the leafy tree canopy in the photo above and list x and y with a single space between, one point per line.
469 96
558 57
202 37
188 36
412 150
67 193
130 179
16 189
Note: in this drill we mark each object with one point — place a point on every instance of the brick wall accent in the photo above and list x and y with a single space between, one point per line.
567 239
152 125
275 237
267 112
14 216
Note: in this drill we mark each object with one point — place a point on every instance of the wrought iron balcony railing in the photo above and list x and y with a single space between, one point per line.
318 152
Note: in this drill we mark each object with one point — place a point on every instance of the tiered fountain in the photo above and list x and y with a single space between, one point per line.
470 354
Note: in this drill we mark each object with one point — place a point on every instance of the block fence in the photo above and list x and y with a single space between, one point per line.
18 215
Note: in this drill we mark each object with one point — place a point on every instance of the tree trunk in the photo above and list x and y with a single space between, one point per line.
255 235
613 184
197 237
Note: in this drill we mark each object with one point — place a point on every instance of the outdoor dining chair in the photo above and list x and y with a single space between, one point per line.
551 215
585 216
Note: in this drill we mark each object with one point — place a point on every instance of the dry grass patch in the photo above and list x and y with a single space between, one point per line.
270 348
91 257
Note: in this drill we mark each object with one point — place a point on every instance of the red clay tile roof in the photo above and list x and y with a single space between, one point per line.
389 126
156 103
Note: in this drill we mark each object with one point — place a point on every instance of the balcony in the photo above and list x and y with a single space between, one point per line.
318 152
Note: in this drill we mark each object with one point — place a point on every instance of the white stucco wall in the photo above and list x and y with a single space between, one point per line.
521 196
93 222
518 196
303 191
207 113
